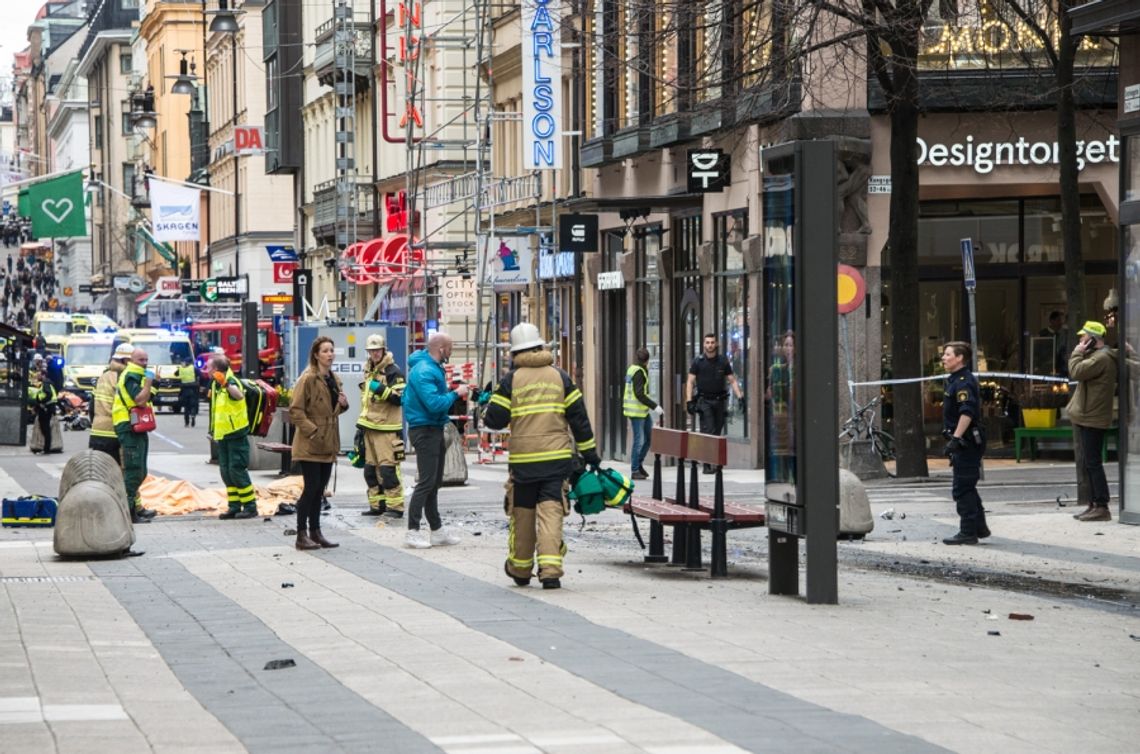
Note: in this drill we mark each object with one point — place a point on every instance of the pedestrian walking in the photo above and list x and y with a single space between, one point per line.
133 391
188 392
382 422
426 404
544 409
640 409
966 443
229 427
1093 366
102 436
706 392
318 399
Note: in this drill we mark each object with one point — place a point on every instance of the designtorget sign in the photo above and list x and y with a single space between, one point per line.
984 156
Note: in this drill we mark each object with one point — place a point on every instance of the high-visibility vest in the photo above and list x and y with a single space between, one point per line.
121 409
104 397
227 415
187 375
538 416
630 405
375 410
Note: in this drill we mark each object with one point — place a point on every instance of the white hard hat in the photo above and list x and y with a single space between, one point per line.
37 357
123 351
375 341
525 336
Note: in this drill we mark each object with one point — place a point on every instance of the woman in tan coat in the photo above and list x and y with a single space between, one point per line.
318 399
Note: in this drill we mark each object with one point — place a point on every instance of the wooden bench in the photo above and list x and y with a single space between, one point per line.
687 512
1061 434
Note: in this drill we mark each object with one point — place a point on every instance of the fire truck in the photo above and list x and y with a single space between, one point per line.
226 335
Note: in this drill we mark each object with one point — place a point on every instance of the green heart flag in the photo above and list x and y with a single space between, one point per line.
56 207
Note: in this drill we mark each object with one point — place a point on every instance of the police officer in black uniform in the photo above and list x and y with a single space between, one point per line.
710 376
961 409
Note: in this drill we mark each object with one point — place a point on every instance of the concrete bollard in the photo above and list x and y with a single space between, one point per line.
93 518
855 517
861 458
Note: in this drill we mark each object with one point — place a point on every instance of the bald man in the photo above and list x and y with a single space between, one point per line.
133 390
427 402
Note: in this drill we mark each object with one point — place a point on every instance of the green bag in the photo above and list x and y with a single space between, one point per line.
357 454
616 487
587 494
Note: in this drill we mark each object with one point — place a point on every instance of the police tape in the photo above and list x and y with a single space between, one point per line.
980 375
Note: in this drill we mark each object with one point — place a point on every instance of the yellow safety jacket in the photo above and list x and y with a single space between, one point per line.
546 414
121 409
187 375
381 409
228 416
104 397
631 406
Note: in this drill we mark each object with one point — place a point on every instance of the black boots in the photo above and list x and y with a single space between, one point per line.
962 539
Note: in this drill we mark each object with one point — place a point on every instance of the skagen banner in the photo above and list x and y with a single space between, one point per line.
542 84
174 211
984 156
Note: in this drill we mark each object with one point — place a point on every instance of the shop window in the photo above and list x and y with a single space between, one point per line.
993 225
648 247
1131 187
1130 391
731 306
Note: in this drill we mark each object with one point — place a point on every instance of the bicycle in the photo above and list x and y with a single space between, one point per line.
861 426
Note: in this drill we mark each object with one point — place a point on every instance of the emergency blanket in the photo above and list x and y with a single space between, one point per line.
175 498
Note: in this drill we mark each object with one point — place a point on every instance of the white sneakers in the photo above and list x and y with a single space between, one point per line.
444 536
419 539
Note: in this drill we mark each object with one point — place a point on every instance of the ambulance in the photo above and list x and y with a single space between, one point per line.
54 326
85 356
92 323
166 351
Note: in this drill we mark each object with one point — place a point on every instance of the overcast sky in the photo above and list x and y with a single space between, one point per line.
14 29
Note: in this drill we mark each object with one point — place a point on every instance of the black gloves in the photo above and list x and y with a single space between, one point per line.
691 407
592 459
955 445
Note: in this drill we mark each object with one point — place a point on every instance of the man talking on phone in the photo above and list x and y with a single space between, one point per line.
1093 366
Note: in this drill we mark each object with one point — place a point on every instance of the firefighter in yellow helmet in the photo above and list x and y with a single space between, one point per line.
548 423
382 422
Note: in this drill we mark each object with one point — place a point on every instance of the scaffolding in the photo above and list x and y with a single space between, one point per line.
346 231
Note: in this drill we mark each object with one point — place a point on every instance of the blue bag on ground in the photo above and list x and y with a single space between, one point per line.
32 510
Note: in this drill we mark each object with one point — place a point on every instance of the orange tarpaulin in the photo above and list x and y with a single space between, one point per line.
175 498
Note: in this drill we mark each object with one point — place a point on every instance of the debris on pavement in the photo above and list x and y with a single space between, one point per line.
290 532
993 633
286 584
280 664
1020 616
888 514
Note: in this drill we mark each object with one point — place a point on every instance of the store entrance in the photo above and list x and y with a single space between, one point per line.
615 355
686 343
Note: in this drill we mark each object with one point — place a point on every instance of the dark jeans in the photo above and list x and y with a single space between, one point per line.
642 429
429 445
964 488
316 475
712 413
43 416
108 445
1092 439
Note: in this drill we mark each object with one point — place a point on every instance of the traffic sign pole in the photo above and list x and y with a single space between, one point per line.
971 282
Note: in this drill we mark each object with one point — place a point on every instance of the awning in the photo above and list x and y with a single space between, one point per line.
1106 17
164 249
143 299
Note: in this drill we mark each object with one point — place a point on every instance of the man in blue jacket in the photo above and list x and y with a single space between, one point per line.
427 402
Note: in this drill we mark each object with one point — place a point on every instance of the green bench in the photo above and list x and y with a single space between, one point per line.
1032 434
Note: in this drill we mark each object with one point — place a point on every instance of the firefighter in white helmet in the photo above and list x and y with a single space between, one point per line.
548 423
382 422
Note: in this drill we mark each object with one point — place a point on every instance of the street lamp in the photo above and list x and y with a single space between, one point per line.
225 20
185 80
142 109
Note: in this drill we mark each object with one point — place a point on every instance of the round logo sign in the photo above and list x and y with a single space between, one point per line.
851 289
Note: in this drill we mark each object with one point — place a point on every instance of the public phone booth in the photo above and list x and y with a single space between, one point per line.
801 470
14 355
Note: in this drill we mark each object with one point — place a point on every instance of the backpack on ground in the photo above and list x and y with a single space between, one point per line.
260 405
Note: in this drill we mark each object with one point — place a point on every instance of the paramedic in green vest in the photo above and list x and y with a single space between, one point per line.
103 437
188 395
229 426
382 422
641 410
548 421
133 389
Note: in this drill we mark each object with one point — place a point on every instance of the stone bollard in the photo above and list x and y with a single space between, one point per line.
93 518
861 458
855 517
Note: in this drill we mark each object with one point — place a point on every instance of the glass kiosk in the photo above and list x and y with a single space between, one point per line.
801 468
15 351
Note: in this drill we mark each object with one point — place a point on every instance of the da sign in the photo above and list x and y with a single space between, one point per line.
249 140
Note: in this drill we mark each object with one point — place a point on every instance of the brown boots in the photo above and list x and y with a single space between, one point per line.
313 540
1096 513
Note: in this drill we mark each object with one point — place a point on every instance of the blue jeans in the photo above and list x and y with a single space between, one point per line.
641 430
